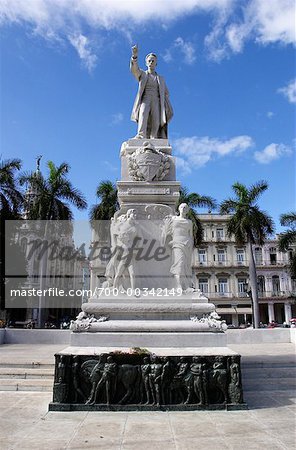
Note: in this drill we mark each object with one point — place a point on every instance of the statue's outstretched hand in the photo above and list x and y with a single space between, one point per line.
135 50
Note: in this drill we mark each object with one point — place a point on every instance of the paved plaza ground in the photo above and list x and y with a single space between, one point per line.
269 422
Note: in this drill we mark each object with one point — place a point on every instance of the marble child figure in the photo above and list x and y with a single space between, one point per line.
152 109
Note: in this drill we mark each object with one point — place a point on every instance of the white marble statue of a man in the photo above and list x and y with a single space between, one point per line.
152 108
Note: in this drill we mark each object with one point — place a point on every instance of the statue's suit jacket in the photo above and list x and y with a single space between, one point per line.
166 110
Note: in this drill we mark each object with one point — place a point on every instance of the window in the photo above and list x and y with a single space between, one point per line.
220 234
272 254
261 284
258 255
242 285
202 257
203 285
273 259
240 255
221 255
222 285
275 285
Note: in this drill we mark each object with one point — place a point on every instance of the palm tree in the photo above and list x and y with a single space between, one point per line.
100 214
105 210
11 200
194 201
50 199
10 197
52 196
288 238
250 226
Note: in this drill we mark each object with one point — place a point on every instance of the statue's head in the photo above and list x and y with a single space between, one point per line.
183 209
151 60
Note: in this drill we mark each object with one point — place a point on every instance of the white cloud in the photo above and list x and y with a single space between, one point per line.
197 151
289 91
264 21
103 13
117 118
182 165
274 20
271 153
186 48
235 22
270 114
82 46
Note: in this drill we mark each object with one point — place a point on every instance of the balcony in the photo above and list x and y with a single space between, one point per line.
225 263
261 262
219 295
242 295
268 294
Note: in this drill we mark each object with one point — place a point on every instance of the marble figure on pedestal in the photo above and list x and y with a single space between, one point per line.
180 230
152 108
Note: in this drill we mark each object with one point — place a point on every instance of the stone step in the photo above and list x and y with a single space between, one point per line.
268 384
149 339
26 364
259 389
268 373
25 373
26 385
268 364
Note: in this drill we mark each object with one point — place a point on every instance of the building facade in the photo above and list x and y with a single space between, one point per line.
221 273
66 271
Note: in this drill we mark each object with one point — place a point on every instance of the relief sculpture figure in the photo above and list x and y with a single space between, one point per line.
120 270
180 231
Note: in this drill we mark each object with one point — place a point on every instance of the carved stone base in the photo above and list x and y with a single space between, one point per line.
68 407
101 379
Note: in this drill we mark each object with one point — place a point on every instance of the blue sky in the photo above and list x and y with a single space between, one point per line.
67 93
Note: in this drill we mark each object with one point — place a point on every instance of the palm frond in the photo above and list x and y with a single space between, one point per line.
288 219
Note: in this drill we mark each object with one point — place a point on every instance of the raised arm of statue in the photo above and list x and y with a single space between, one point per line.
136 71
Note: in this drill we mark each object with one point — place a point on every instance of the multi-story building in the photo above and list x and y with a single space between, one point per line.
221 271
66 270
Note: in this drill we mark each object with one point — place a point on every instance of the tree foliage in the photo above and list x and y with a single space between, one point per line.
250 226
50 197
247 223
287 239
108 205
194 201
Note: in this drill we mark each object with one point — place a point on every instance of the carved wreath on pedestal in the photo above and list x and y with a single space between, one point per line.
148 164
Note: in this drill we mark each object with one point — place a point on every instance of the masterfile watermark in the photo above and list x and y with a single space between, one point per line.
52 292
49 264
